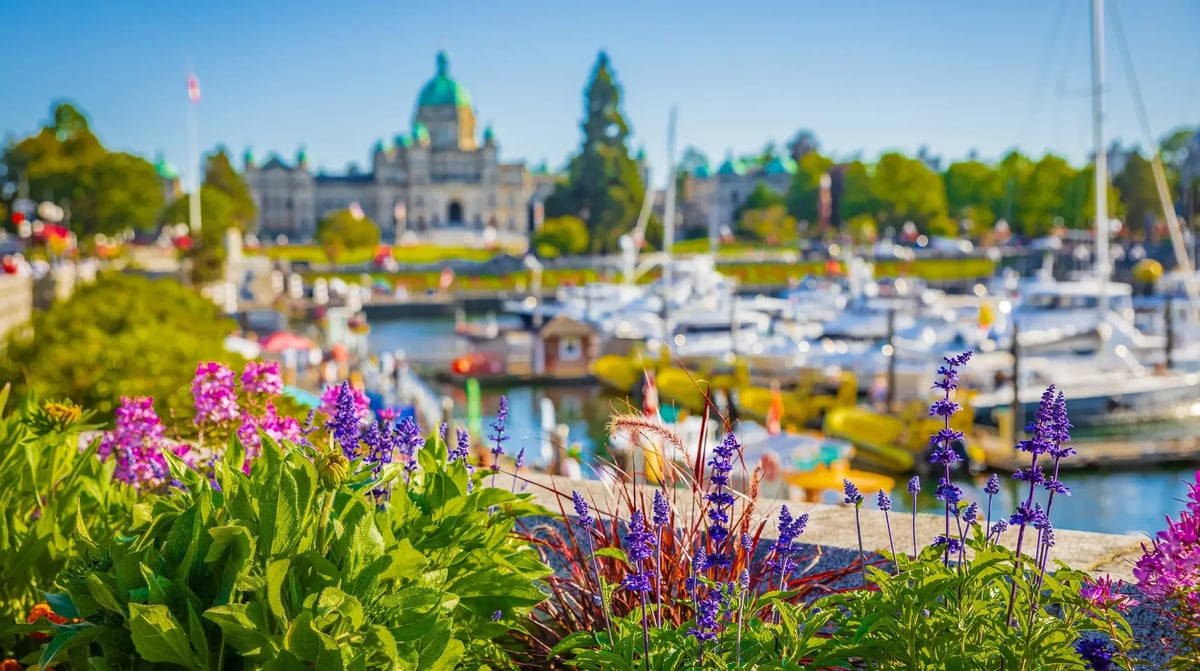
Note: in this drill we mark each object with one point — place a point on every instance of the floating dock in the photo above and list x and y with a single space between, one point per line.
1001 455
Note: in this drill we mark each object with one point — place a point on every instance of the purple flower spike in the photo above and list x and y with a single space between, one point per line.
914 485
662 512
851 491
883 501
1096 653
993 485
707 612
584 519
498 436
721 499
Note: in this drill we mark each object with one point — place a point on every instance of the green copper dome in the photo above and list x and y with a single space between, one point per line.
780 166
731 166
420 133
442 90
165 170
403 140
703 171
248 157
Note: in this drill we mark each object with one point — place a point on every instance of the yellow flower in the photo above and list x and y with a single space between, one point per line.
63 414
333 467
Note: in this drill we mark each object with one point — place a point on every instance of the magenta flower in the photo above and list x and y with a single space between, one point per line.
214 394
362 406
1104 594
262 377
136 444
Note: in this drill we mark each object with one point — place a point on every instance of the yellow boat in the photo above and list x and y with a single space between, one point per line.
619 373
801 406
900 441
824 478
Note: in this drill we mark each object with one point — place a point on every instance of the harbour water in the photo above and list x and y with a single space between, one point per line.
1116 501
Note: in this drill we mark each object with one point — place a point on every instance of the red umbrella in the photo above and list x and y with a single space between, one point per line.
283 341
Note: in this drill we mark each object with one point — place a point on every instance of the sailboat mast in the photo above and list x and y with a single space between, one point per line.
1101 186
669 210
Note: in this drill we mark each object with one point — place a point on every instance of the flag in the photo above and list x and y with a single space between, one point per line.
193 89
650 397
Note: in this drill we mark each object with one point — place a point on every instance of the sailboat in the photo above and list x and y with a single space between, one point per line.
1112 384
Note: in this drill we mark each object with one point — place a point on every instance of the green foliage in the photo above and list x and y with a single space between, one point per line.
804 194
121 336
220 175
1139 195
857 197
105 192
604 184
905 189
772 225
216 216
973 190
862 228
342 230
561 236
285 568
761 197
937 616
52 492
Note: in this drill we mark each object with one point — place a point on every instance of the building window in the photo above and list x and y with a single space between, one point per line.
570 348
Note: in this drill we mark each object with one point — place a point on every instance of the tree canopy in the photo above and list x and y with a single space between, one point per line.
220 174
216 217
124 335
604 186
804 194
102 191
561 236
772 225
346 229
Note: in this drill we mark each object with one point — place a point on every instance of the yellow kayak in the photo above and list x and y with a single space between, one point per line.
682 388
619 373
893 441
824 478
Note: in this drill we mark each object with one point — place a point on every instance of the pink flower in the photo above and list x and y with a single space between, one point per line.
262 378
136 444
214 394
1170 568
1104 594
362 406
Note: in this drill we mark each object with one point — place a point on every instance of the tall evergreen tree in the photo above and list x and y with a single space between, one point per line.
219 174
604 185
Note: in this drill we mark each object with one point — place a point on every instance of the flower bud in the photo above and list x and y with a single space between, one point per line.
333 467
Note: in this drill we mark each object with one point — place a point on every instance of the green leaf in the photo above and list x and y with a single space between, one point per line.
243 626
612 553
276 574
104 595
61 604
158 636
229 556
67 639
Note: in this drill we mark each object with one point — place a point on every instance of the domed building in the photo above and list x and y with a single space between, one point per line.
439 179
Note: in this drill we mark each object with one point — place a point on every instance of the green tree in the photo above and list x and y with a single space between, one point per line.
207 254
345 229
761 197
1042 197
1014 170
803 197
561 236
907 190
857 197
1080 200
1139 195
604 185
862 229
972 191
64 162
220 174
772 225
120 191
691 160
124 335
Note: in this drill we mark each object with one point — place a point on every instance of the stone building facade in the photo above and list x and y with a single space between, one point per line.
441 176
714 196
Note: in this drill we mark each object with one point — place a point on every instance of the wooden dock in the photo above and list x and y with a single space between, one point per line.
1001 455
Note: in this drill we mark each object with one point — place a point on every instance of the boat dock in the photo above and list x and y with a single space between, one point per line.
1001 455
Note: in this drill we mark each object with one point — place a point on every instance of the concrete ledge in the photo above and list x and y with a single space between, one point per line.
833 526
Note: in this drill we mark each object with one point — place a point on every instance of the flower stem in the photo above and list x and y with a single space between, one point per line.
600 588
658 573
862 558
645 634
895 560
914 525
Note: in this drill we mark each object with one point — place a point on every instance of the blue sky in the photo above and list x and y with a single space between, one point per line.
864 76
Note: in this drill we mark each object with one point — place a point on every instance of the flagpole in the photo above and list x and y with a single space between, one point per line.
194 222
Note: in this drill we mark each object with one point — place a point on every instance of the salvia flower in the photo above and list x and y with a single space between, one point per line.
639 547
747 543
214 394
262 377
721 499
952 544
582 517
661 512
914 485
331 396
462 452
883 501
408 442
498 436
706 623
343 424
853 497
999 527
497 615
1097 653
784 549
971 514
950 493
992 487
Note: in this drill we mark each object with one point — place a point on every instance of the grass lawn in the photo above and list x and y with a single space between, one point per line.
411 254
